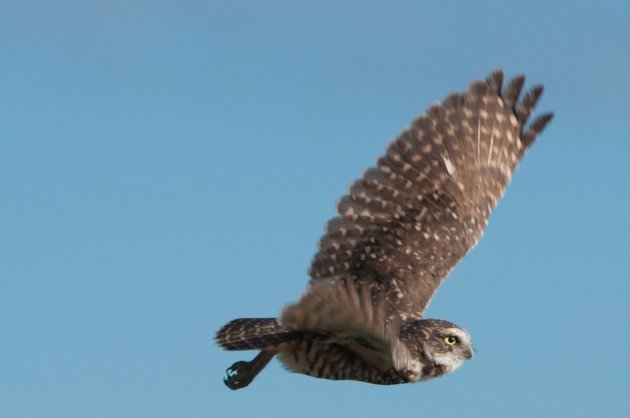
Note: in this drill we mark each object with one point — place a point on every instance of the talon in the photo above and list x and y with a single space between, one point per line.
242 373
238 375
236 368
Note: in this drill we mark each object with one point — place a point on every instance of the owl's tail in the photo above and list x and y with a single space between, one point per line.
253 334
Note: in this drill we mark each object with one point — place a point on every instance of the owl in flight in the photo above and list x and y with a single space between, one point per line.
401 229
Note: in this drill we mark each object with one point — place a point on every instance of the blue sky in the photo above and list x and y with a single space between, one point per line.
168 166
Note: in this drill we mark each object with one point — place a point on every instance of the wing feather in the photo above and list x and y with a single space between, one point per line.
353 316
406 223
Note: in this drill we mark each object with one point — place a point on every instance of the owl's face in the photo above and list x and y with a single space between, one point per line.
440 346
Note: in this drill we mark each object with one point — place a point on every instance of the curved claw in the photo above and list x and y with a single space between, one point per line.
238 375
241 373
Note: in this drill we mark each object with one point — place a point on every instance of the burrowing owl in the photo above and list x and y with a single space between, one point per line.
403 226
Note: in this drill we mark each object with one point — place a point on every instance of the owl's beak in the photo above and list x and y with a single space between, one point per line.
468 354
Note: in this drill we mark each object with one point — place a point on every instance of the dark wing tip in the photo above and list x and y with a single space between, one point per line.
512 90
495 81
535 128
478 88
526 105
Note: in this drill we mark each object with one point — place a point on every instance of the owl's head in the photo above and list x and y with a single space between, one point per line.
440 346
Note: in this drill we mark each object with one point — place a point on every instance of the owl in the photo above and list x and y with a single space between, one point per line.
401 229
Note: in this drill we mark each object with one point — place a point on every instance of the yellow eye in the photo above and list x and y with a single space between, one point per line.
450 340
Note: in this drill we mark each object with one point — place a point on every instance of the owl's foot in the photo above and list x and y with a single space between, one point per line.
241 373
238 375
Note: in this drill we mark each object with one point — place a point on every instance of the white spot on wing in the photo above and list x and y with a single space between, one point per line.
449 166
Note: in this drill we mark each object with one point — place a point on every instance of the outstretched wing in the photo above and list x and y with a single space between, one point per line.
406 223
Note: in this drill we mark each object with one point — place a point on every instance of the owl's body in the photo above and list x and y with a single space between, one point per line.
402 228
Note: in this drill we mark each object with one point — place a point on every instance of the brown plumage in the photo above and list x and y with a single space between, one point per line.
404 225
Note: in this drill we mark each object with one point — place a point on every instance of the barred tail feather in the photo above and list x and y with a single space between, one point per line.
253 334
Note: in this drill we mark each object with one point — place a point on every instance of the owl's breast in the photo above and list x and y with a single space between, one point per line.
321 357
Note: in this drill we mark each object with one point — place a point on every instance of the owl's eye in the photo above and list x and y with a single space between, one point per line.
450 340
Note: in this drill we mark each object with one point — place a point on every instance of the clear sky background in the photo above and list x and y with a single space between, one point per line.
166 166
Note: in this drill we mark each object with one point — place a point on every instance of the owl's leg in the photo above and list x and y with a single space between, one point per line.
241 373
